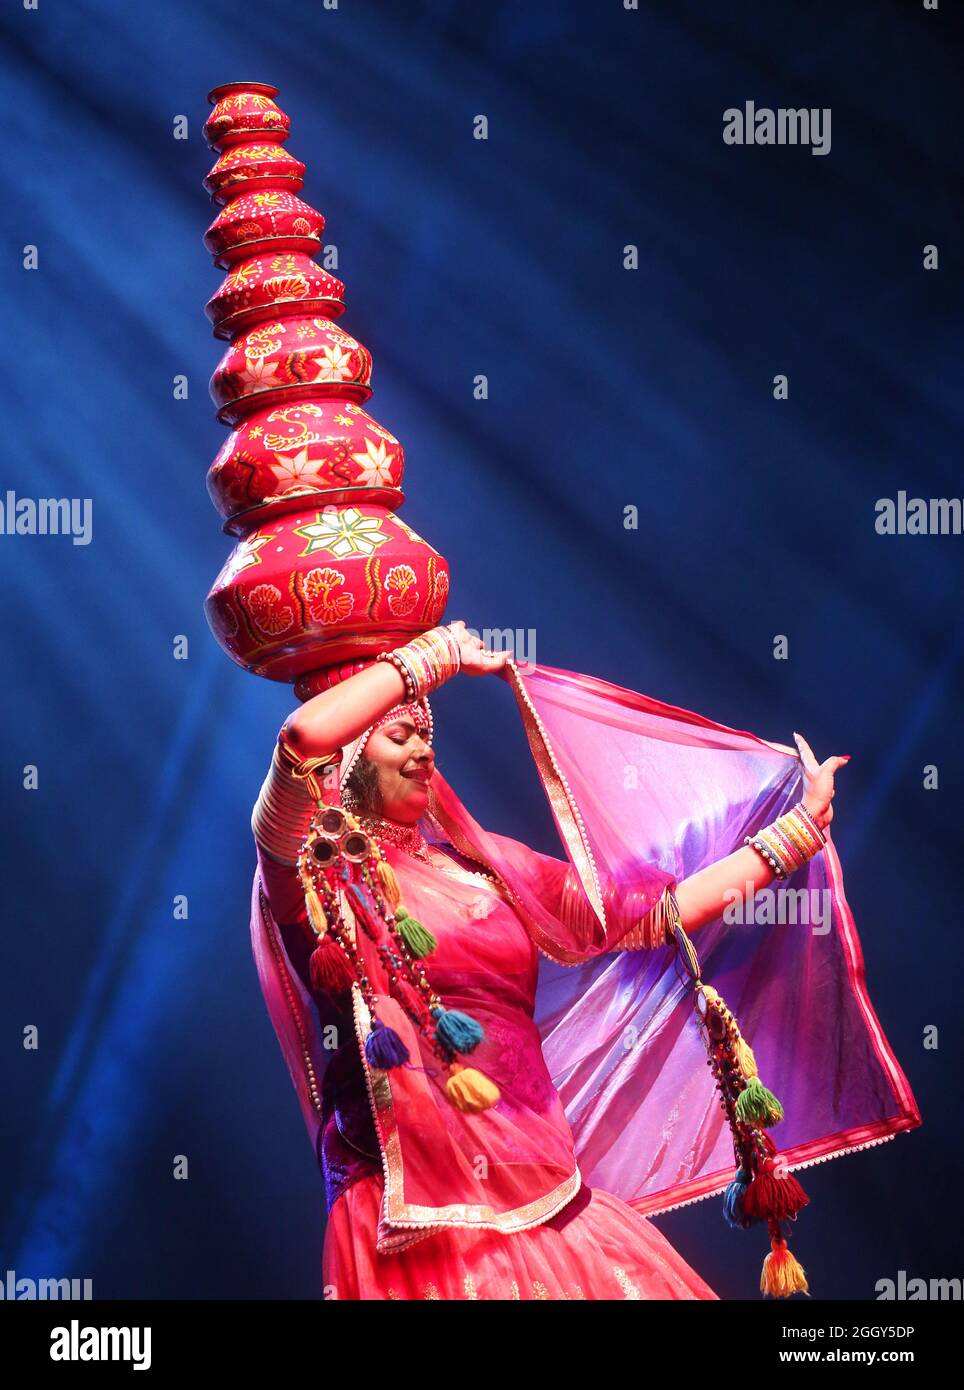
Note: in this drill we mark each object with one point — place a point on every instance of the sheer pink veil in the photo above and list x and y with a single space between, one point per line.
619 1032
644 794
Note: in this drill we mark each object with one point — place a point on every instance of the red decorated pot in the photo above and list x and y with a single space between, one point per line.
289 360
325 585
277 285
330 450
271 219
248 166
244 111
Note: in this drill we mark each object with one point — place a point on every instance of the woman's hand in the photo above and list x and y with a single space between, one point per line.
476 661
818 782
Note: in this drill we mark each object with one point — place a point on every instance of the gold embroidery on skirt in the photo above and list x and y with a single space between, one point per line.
625 1283
539 1290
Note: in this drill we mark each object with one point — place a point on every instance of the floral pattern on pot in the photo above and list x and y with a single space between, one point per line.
243 112
252 165
288 360
279 284
325 585
279 457
269 219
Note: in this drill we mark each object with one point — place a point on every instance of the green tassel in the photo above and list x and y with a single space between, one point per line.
417 938
756 1105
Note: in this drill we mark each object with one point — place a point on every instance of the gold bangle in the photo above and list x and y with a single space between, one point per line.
787 862
785 835
431 658
811 841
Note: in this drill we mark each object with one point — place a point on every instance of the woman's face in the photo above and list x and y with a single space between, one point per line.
405 765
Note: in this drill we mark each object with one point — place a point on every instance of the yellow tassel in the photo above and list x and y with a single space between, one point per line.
316 913
782 1274
745 1059
470 1091
386 876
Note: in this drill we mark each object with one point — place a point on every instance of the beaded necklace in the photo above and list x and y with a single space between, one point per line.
410 839
406 837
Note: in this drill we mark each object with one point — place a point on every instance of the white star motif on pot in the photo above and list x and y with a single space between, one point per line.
342 532
243 557
333 365
376 464
297 469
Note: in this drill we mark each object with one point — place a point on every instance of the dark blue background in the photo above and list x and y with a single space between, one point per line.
608 387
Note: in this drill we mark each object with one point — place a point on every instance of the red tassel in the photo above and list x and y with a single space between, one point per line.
772 1196
329 968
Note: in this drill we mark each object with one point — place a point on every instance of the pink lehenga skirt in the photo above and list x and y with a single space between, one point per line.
597 1247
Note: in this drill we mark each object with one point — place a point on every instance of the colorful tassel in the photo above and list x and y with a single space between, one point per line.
782 1273
470 1091
329 969
458 1031
745 1059
417 938
384 1048
316 912
773 1196
389 883
756 1105
733 1212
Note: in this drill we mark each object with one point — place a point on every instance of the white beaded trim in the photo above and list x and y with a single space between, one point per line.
565 786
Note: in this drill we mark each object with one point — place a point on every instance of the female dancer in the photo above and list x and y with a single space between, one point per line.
481 1198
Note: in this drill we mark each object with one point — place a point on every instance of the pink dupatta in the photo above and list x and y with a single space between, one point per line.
644 794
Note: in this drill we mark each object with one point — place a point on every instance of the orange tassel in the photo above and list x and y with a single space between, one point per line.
782 1274
470 1091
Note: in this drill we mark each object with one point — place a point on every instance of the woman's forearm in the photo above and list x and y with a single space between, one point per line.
704 895
334 717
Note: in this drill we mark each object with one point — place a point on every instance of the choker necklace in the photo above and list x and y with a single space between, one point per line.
406 837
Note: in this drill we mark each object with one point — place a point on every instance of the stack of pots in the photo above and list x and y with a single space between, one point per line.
323 573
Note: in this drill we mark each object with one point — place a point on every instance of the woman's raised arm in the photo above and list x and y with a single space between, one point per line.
334 717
